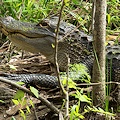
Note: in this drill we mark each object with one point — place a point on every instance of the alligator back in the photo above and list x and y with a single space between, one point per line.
72 43
113 63
41 38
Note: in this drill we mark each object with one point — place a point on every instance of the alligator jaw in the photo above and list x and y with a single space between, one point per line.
28 36
27 29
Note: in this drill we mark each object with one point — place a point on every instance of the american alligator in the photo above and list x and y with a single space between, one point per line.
41 38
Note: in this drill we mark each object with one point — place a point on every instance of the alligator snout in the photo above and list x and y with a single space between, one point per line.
6 20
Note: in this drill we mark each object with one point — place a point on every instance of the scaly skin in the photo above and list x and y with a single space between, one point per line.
72 42
41 38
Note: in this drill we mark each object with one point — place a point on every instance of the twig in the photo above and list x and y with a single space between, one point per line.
67 91
67 34
35 113
93 14
92 84
43 100
56 51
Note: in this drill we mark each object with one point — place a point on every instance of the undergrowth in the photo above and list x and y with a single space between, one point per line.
78 13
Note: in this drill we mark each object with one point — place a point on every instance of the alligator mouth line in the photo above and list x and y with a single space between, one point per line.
7 33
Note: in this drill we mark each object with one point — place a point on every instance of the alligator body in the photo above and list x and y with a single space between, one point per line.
36 80
72 42
41 38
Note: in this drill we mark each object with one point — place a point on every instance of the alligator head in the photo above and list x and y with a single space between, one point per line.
28 36
41 38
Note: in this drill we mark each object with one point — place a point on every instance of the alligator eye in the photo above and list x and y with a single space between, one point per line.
76 31
42 23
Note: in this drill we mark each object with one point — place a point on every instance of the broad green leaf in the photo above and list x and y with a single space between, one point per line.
34 91
71 83
19 94
16 102
84 98
20 83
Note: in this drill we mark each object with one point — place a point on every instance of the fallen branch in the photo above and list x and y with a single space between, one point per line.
93 84
43 100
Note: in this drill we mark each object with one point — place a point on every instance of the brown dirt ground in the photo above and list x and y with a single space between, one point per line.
29 63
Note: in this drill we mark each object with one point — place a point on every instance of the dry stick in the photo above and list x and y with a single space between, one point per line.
93 14
35 113
67 91
43 100
92 84
56 51
66 35
46 102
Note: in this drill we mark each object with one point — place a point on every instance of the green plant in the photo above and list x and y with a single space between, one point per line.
78 72
27 10
75 109
76 12
22 102
113 14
